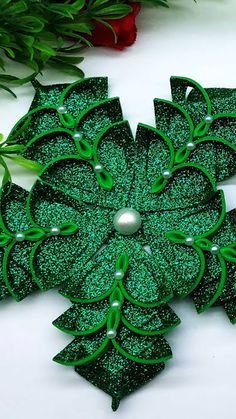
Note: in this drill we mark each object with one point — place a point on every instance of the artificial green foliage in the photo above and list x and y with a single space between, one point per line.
39 33
62 232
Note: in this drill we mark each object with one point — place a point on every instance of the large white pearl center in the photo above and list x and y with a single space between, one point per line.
127 221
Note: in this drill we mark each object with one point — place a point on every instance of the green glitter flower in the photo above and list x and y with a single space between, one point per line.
122 225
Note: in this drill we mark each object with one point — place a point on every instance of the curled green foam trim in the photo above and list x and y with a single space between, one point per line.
177 236
104 179
122 262
93 108
27 118
181 111
5 270
149 332
138 303
113 319
92 357
80 83
188 82
159 186
220 287
84 149
183 153
229 252
66 229
87 332
137 359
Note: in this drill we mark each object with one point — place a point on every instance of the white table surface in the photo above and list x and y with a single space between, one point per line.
194 40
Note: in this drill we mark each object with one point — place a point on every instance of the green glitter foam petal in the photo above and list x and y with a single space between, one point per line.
78 178
141 349
142 284
13 214
55 143
154 154
182 267
212 153
97 117
15 275
61 259
224 126
198 220
16 270
223 100
212 283
46 95
76 96
34 123
83 319
3 288
117 375
80 95
190 185
173 120
226 237
149 321
179 90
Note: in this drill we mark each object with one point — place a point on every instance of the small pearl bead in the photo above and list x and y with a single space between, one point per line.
61 109
55 231
20 237
111 334
191 145
78 136
208 119
98 168
115 304
215 249
127 221
166 174
119 274
189 241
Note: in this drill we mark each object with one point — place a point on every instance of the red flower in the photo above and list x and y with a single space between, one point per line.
125 29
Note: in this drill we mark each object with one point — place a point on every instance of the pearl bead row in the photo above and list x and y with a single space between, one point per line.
189 241
191 145
115 304
20 236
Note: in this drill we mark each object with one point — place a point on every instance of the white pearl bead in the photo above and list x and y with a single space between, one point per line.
215 249
208 119
20 237
115 304
191 145
61 109
78 136
189 241
127 221
166 174
98 168
55 231
111 334
119 274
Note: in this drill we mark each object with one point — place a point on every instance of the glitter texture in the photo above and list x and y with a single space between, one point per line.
118 323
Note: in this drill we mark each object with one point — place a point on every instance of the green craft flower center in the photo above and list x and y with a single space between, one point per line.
127 221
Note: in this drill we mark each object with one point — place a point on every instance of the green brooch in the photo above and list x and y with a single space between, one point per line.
121 224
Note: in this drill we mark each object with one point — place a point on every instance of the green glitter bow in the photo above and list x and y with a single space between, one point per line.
66 231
